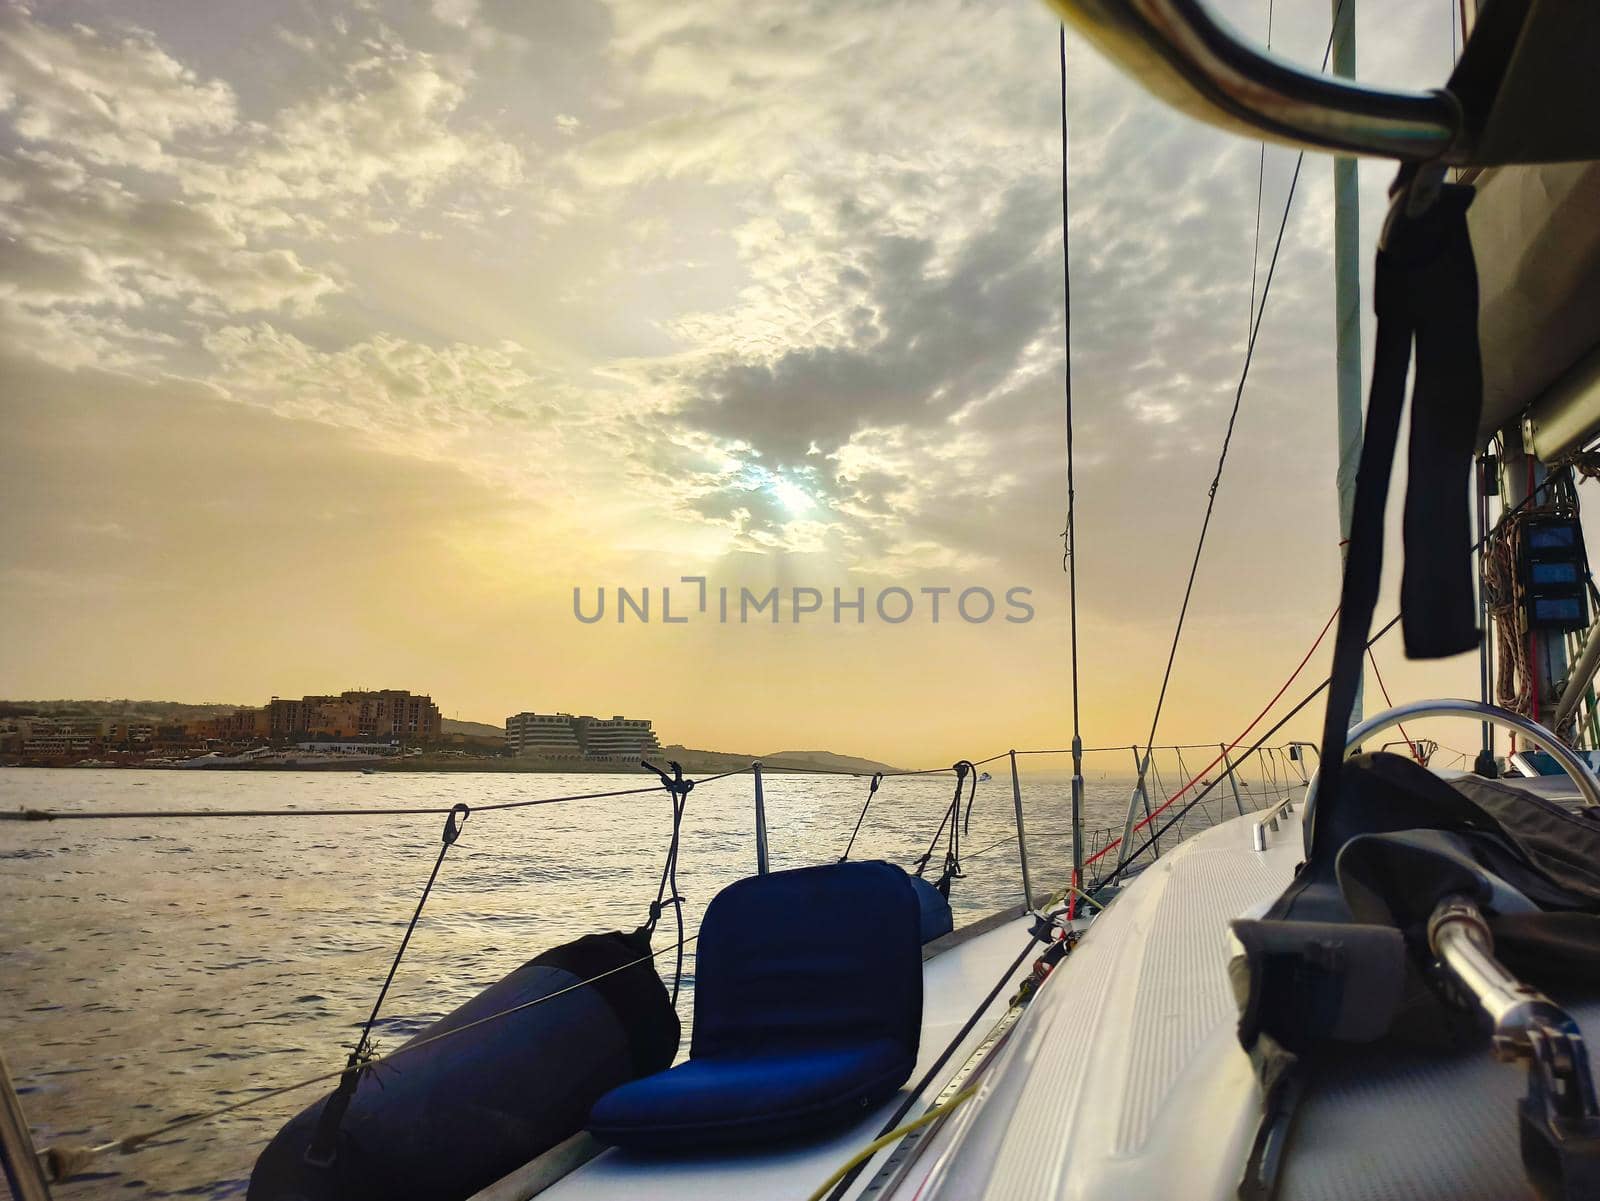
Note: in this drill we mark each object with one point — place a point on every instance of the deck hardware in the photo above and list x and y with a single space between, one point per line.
1022 838
1269 820
1582 775
1559 1119
761 821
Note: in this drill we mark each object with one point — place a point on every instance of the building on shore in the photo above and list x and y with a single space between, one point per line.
561 736
549 735
616 738
390 713
47 737
242 725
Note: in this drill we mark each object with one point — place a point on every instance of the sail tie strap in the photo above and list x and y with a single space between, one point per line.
1425 293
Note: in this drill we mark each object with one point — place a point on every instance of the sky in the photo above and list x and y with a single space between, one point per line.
344 343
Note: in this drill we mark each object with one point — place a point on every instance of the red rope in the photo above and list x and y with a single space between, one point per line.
1390 704
1243 734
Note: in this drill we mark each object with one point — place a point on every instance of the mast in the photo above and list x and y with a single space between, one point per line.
1347 305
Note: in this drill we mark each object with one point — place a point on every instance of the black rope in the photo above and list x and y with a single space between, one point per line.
679 789
872 791
952 819
325 1142
1233 417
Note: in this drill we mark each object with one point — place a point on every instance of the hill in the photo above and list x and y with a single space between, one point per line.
718 761
159 711
473 729
826 759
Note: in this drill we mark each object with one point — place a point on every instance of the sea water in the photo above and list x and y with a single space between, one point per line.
155 968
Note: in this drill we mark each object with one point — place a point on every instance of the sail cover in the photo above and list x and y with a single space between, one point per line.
1537 245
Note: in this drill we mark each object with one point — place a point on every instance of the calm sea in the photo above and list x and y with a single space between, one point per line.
153 968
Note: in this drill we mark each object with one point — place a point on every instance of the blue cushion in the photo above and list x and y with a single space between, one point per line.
739 1099
808 1009
937 919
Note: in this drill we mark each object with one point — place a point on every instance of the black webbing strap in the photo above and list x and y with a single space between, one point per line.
1425 292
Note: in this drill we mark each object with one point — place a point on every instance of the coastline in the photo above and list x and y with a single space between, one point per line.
693 763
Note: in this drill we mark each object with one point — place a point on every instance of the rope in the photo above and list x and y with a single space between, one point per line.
1306 700
1006 841
1233 417
678 789
872 791
1283 721
1389 704
927 1078
1116 842
952 817
883 1140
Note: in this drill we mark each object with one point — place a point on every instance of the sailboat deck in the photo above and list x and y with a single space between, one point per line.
955 980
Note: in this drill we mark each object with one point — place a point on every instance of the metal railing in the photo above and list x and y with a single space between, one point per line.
1183 55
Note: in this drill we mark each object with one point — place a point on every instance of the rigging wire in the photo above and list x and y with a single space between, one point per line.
1111 846
50 815
1550 480
1069 541
1261 174
1233 417
872 791
1069 536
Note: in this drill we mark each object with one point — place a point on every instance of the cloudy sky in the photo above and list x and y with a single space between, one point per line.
342 342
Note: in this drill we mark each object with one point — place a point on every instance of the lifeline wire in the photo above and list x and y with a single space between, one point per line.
63 1161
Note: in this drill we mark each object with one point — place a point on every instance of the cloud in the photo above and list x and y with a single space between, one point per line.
134 185
75 238
382 139
117 101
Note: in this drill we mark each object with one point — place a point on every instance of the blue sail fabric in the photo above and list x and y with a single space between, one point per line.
808 1011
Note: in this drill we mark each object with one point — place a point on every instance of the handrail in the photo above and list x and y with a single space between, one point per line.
1269 820
1189 59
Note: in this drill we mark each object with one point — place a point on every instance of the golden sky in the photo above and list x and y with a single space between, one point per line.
343 342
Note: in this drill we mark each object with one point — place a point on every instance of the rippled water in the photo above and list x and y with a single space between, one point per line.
150 969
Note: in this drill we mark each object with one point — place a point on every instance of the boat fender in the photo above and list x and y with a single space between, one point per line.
450 1118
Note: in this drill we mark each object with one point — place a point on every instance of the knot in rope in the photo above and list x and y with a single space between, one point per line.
965 770
678 789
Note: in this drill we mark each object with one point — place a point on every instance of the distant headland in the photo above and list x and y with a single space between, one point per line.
385 730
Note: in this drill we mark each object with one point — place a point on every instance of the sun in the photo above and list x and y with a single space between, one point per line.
791 495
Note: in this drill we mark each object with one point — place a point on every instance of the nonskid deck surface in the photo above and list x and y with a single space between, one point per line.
1124 1080
954 982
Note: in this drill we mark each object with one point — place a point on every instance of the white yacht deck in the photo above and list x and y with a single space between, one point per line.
955 980
1125 1079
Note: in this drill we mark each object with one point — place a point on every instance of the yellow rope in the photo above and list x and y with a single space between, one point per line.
878 1144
